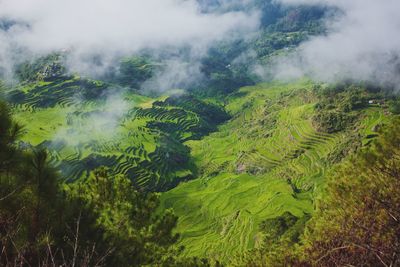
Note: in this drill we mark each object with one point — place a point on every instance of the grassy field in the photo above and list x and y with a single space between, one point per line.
268 159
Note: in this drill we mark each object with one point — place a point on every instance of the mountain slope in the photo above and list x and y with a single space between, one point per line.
267 160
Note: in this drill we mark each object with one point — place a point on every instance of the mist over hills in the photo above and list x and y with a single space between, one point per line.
199 133
238 44
345 36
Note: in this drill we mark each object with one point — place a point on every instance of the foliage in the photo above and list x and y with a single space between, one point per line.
281 235
394 106
134 135
65 90
268 43
347 147
335 109
241 169
31 208
246 174
300 18
252 191
286 226
45 68
127 218
133 71
332 121
229 65
101 221
222 74
357 222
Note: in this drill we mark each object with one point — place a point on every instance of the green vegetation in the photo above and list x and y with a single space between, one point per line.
229 65
356 220
132 72
133 135
101 221
339 107
42 69
243 182
222 74
231 171
269 160
395 106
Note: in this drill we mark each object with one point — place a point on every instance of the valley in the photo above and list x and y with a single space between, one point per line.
199 133
224 168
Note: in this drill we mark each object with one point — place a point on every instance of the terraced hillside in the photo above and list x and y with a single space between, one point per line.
86 124
267 160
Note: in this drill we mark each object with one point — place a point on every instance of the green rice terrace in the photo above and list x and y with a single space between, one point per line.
270 158
224 168
199 133
134 135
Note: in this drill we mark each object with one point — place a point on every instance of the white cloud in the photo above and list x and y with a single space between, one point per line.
362 44
98 124
115 26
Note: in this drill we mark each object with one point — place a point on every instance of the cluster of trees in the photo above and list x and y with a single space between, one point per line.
284 27
300 18
41 69
358 221
223 69
335 110
268 43
103 221
133 71
394 105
